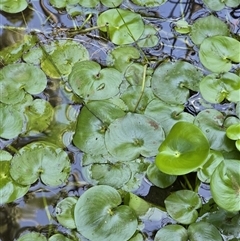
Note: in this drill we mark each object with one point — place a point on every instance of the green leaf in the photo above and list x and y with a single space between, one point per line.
123 26
11 122
184 149
90 82
233 132
133 135
89 3
176 78
121 57
172 232
99 215
40 159
225 185
15 79
64 212
13 6
149 3
159 178
60 237
205 172
149 38
182 26
32 236
206 27
9 189
202 231
217 87
62 4
61 57
114 175
182 206
217 5
213 125
111 3
167 114
218 52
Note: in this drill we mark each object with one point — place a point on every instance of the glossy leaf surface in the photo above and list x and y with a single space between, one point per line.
182 152
121 31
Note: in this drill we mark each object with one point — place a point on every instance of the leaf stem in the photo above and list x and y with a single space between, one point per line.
187 182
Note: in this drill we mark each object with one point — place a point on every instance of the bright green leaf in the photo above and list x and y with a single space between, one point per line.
225 185
184 149
13 6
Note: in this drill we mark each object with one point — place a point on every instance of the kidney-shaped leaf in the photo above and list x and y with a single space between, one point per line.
172 232
202 231
17 78
99 215
218 5
133 135
123 26
216 87
218 52
225 185
206 27
90 82
175 78
182 205
184 149
32 236
40 159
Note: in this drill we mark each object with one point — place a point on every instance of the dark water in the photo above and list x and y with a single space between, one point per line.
31 211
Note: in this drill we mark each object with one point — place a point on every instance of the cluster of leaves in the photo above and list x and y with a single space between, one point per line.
127 113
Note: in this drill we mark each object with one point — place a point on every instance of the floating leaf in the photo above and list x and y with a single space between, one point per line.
213 125
121 57
149 3
218 52
64 212
90 82
182 205
9 189
32 236
233 133
217 5
176 78
13 6
216 87
123 26
60 59
205 172
167 114
15 79
133 135
159 178
206 27
166 233
182 26
40 159
149 37
59 237
63 4
225 185
201 231
184 149
11 122
135 100
111 4
99 215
